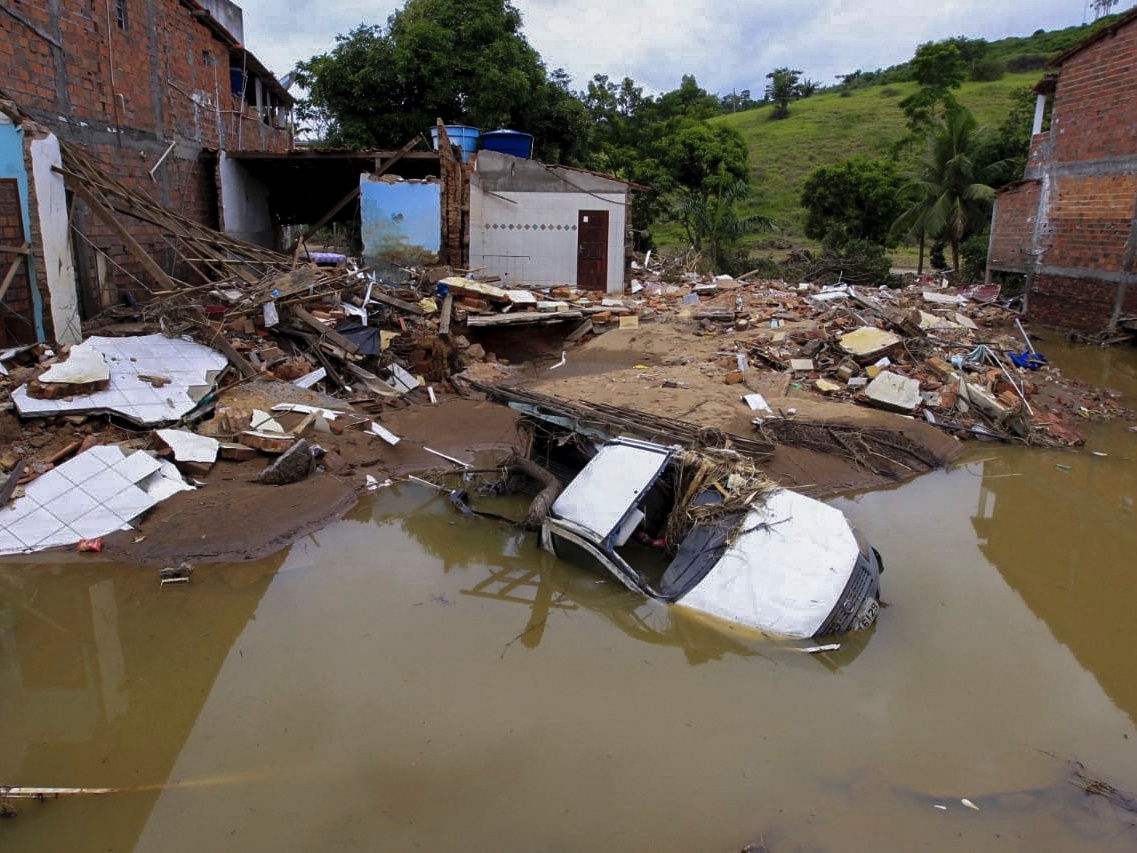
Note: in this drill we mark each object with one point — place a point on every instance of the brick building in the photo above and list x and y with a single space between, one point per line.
1070 226
155 92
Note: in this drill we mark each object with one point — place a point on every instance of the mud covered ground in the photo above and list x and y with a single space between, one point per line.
671 366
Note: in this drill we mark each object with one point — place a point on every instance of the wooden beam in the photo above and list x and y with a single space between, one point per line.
10 484
323 330
11 275
104 213
25 249
220 342
394 302
447 309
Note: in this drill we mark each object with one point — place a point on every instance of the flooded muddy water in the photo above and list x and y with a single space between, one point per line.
409 678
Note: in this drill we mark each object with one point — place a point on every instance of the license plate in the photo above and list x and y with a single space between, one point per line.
868 614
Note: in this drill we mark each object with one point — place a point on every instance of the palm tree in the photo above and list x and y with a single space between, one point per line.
709 217
915 222
951 193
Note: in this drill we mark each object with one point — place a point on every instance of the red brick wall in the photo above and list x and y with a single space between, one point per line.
1089 211
1015 211
1095 106
126 93
1089 218
172 81
16 321
1077 303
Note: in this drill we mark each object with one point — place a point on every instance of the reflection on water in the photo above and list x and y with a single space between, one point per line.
508 566
1065 540
410 677
97 658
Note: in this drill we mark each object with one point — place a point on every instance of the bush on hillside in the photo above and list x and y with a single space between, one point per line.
1027 62
987 70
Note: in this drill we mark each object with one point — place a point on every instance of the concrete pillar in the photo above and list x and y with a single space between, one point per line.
1039 112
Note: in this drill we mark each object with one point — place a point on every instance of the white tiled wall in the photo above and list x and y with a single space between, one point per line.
534 239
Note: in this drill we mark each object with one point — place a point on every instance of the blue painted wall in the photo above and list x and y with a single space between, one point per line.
12 166
400 222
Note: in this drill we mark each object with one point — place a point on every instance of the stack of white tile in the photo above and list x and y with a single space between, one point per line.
96 493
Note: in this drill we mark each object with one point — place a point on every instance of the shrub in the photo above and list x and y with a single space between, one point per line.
987 69
973 258
1027 62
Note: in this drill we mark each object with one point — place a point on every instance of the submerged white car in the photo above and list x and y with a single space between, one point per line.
781 563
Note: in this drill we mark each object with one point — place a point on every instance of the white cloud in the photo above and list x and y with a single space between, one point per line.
724 43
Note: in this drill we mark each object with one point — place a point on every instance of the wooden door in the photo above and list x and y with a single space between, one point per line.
592 250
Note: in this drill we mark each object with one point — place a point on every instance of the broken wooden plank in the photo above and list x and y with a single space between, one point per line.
107 215
446 311
402 305
221 343
12 270
579 332
323 330
13 479
529 318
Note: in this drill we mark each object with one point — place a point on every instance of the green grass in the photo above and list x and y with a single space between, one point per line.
827 128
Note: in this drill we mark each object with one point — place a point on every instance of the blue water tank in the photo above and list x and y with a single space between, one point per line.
516 143
461 135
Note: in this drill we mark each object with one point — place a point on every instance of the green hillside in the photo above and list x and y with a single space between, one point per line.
827 128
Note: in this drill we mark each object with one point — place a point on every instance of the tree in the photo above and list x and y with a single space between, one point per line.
462 60
853 200
737 100
807 88
782 88
938 67
952 190
689 100
1011 139
700 157
1102 7
711 219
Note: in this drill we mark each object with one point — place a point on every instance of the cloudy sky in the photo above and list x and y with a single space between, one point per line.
726 44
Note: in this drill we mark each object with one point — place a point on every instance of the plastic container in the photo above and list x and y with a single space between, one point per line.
461 135
516 143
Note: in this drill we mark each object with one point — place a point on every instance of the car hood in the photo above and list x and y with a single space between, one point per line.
785 571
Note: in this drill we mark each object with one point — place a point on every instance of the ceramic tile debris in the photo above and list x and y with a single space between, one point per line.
153 380
96 493
189 446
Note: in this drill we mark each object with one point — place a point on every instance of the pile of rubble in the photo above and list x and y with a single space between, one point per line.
324 350
960 359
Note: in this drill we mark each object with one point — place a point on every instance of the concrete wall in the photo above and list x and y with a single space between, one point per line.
245 211
531 237
524 214
1079 244
228 14
400 222
55 239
